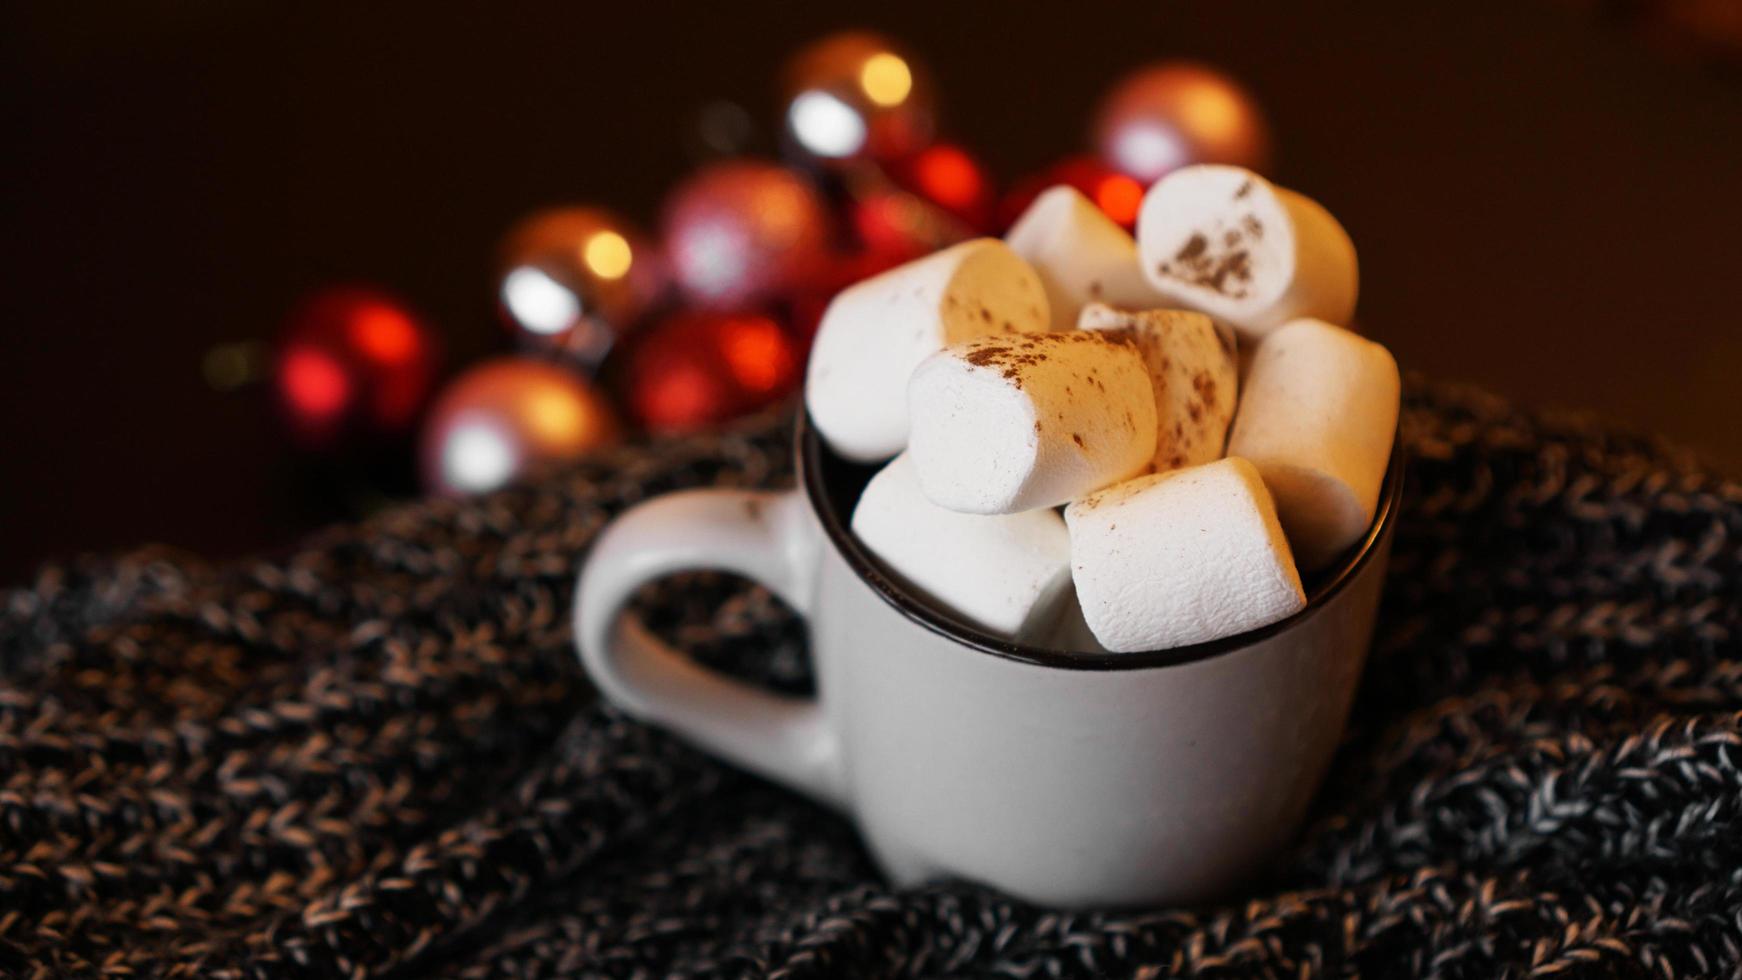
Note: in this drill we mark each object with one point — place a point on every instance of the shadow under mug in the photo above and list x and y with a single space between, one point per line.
1065 779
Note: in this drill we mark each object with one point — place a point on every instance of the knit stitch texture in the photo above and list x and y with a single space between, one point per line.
379 756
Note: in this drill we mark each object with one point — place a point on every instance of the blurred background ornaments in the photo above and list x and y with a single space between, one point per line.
698 368
950 177
575 279
713 319
856 96
742 232
505 416
353 365
1167 115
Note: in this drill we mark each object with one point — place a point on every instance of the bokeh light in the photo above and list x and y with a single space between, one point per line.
886 79
825 125
539 303
478 457
947 175
608 254
314 383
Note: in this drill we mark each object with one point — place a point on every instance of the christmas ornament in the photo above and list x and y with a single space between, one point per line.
352 363
696 369
1114 193
506 415
1171 114
742 232
893 226
575 278
856 96
951 178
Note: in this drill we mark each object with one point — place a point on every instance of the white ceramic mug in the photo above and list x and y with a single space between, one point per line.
1062 778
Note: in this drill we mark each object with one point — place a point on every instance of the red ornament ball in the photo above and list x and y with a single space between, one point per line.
857 96
894 226
352 363
575 279
1168 115
697 369
951 178
1117 195
504 416
743 232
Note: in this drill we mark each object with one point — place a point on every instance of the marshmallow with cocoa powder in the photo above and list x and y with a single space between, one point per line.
1081 255
994 571
1195 373
1007 424
875 332
1317 417
1229 243
1182 557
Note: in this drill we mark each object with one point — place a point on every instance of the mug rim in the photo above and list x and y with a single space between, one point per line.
809 448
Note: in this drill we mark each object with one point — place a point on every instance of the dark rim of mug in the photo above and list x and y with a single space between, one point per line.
811 450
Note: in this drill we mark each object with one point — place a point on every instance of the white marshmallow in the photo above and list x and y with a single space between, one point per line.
1081 254
1226 241
1317 418
1184 557
994 571
1008 424
875 332
1195 373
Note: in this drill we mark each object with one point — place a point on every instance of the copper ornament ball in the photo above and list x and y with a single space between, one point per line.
857 95
742 232
505 416
1172 114
575 278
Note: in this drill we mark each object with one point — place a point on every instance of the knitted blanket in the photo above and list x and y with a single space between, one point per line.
378 755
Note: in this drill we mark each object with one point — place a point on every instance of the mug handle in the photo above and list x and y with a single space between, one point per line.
765 536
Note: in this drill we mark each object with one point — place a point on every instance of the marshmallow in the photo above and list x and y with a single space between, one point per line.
875 332
1226 241
1081 255
994 571
1189 556
1007 424
1317 417
1192 365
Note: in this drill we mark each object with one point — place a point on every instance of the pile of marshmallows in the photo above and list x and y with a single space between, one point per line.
1069 365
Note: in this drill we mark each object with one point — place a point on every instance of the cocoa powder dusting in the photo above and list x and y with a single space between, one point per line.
1007 360
1205 386
1227 271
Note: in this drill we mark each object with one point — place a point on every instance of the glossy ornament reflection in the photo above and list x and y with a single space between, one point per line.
504 416
1168 115
742 232
352 364
575 279
856 96
697 369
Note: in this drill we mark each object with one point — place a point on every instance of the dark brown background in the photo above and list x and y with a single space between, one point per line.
1543 203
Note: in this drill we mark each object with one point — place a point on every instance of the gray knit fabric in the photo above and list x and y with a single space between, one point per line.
379 756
